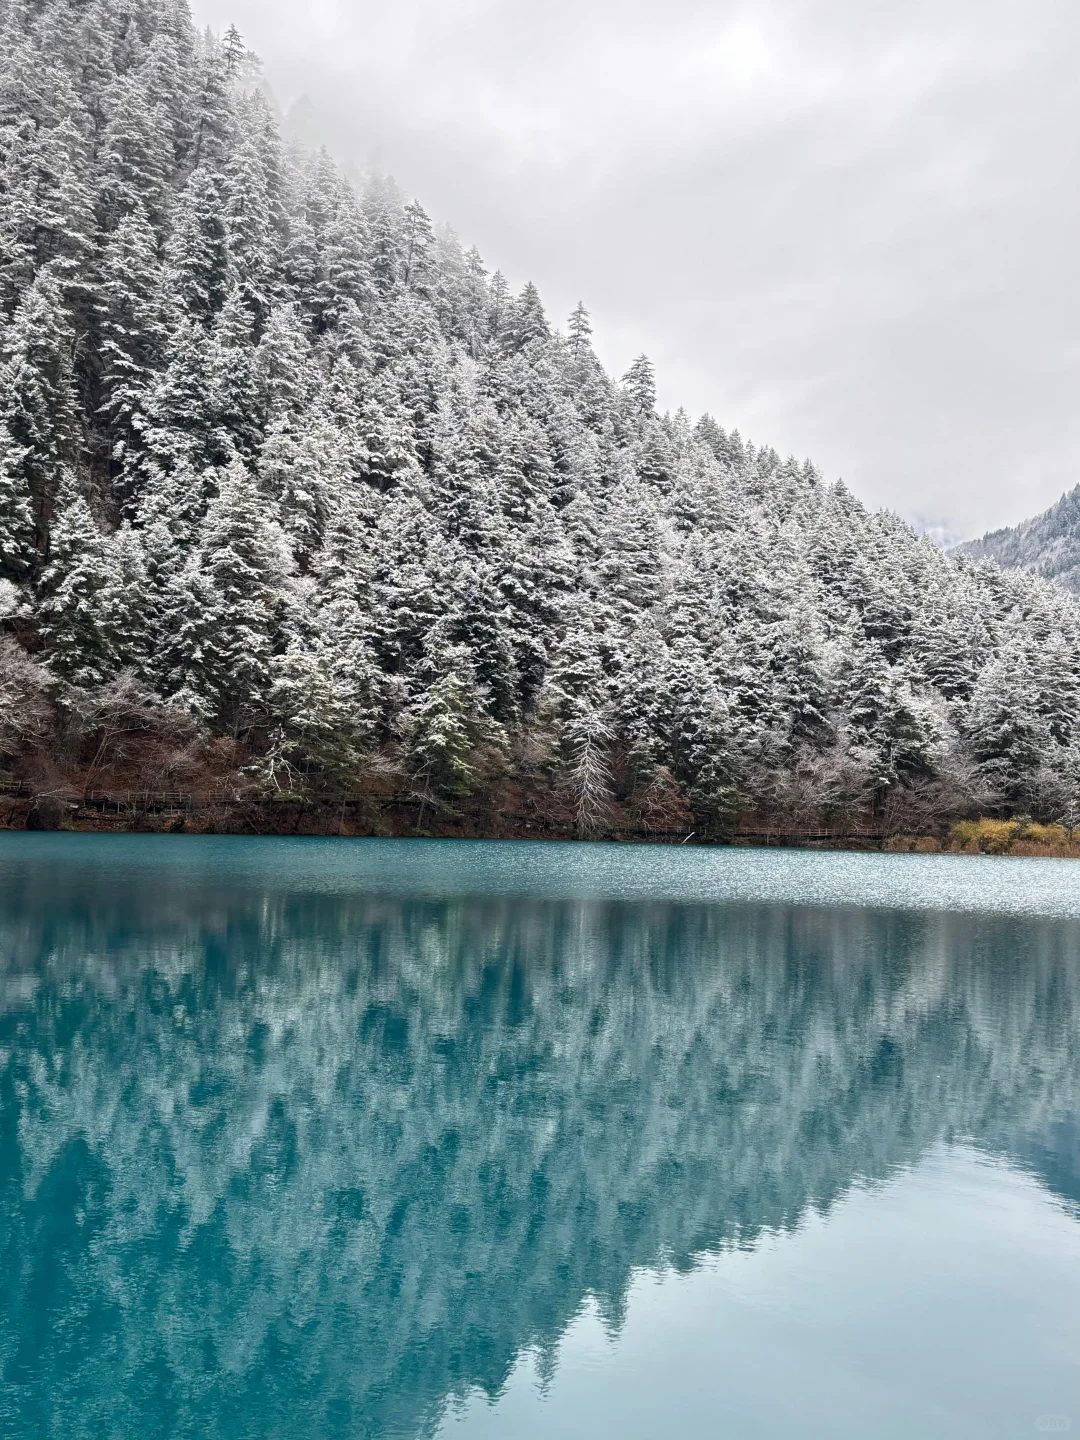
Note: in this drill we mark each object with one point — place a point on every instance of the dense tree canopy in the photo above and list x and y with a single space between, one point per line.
284 453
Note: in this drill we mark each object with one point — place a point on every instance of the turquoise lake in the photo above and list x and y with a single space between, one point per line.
312 1138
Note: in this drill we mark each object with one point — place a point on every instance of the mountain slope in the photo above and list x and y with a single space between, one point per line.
1047 545
298 500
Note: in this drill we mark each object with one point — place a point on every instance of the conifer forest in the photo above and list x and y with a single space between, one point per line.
304 509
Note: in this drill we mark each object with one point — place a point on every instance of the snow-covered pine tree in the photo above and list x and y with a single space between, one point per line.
39 422
72 615
230 627
640 384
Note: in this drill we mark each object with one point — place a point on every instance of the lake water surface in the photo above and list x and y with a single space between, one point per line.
322 1138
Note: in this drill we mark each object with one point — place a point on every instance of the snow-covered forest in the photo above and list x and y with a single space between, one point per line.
295 493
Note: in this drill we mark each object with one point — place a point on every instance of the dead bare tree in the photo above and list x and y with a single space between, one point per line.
26 710
119 715
587 777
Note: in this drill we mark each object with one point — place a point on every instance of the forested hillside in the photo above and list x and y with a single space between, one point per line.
298 500
1048 544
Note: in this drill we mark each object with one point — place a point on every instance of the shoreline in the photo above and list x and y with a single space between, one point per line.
159 815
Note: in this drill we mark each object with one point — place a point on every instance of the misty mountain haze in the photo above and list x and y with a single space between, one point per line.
1047 544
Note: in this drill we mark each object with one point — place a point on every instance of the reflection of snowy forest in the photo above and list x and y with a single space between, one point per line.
289 484
363 1150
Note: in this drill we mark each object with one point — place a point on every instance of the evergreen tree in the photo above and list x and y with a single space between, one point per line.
18 533
122 605
418 245
197 251
640 384
445 727
38 413
133 338
249 230
77 643
323 722
527 322
1003 725
232 607
580 331
234 51
136 156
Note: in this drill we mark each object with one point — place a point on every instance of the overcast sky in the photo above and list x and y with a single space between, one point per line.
849 227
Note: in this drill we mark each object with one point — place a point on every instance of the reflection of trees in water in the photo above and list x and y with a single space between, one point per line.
304 1162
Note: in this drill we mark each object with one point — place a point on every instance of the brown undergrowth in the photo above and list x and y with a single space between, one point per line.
117 759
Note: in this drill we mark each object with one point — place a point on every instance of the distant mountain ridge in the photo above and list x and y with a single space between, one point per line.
1047 544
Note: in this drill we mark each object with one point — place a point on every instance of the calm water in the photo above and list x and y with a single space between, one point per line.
400 1139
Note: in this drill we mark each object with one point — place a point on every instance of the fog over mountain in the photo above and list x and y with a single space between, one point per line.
1047 544
842 228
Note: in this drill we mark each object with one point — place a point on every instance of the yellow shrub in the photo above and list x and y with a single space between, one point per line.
1044 834
990 837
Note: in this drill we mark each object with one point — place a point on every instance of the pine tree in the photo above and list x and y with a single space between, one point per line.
527 322
301 464
123 603
234 50
383 216
385 436
249 220
285 369
657 462
183 420
359 251
133 340
630 568
575 702
445 727
47 213
709 433
640 385
214 108
136 157
38 413
323 721
499 310
18 533
197 251
234 588
580 331
77 643
1003 725
418 245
